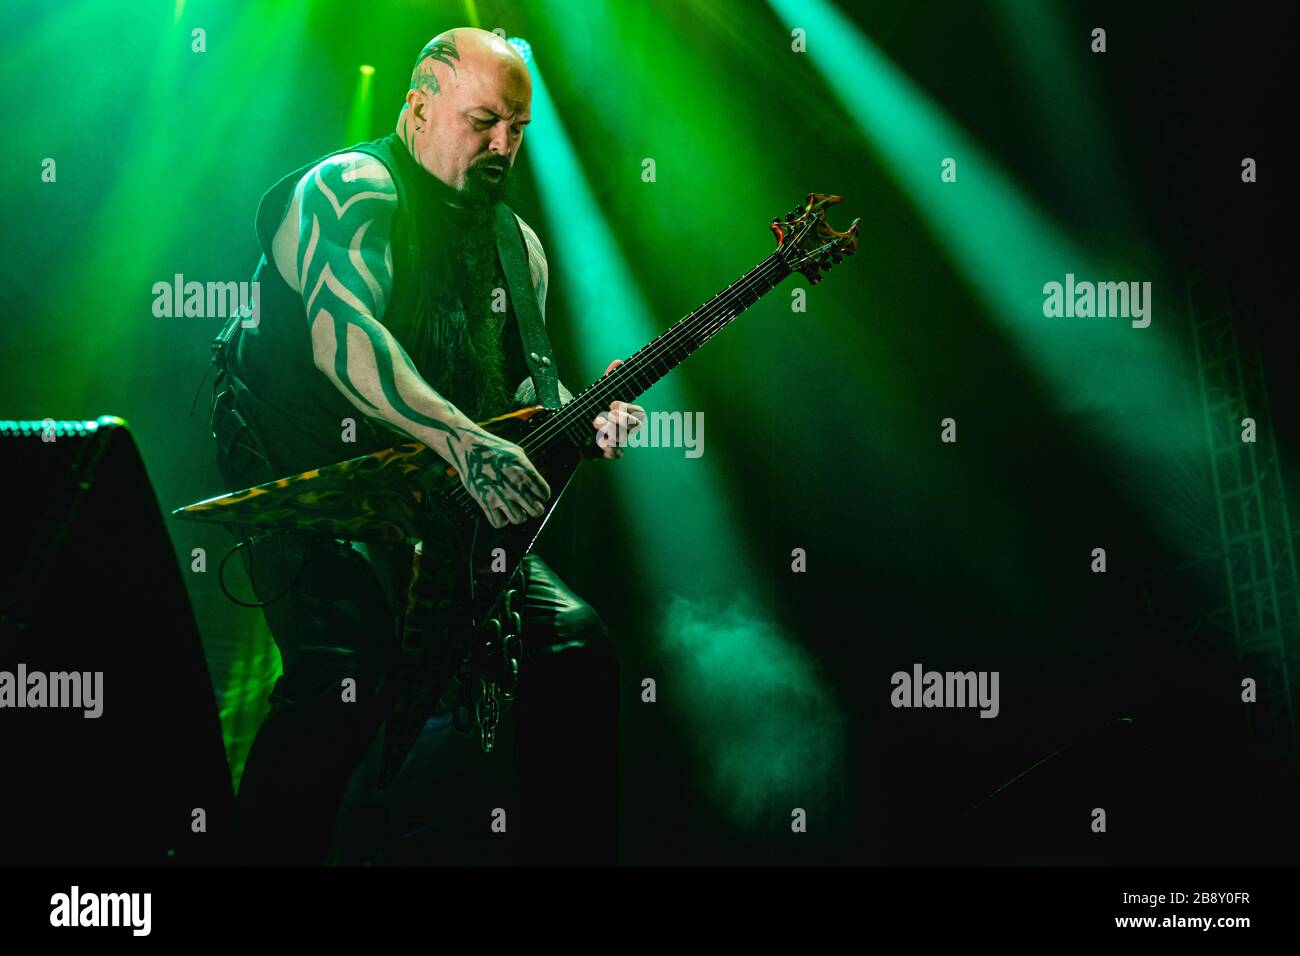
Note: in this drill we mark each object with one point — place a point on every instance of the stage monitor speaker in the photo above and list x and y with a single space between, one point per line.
109 729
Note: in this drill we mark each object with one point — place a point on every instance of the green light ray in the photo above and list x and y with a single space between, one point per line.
134 208
1080 142
1006 250
746 684
361 116
615 322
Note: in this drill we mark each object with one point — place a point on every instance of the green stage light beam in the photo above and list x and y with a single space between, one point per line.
132 206
1079 141
615 323
361 117
766 725
1122 380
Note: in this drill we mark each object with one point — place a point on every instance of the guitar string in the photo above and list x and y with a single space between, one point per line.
698 319
684 331
694 322
611 382
704 319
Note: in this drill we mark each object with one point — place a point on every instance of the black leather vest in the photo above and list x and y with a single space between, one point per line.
295 409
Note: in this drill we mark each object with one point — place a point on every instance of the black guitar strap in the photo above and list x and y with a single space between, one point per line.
532 330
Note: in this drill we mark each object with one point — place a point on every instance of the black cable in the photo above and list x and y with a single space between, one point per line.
221 575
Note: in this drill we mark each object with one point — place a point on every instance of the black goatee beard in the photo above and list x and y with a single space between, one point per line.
479 190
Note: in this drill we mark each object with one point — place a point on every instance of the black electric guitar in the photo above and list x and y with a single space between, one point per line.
463 568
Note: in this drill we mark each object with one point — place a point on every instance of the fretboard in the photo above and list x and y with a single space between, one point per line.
655 360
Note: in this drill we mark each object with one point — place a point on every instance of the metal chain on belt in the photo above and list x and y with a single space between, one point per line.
493 663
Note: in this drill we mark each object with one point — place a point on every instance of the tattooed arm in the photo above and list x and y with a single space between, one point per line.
343 266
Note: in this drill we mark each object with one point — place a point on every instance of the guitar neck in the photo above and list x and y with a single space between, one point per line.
655 360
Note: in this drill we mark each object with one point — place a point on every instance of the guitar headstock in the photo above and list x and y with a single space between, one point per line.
806 241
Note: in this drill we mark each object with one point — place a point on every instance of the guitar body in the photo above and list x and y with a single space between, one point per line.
407 494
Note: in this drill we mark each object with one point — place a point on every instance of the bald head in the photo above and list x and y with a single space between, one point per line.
469 101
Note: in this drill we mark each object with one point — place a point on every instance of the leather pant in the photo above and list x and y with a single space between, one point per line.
336 620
